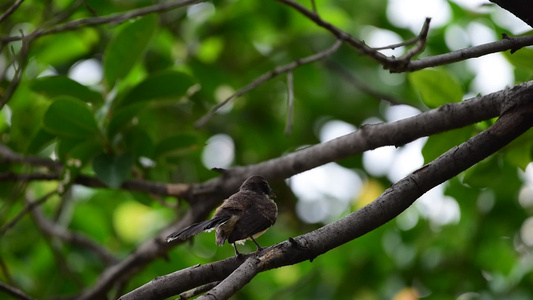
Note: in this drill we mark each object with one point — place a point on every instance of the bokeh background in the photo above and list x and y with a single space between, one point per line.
146 81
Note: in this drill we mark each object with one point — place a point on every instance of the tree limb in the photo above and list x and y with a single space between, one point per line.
516 118
10 10
206 196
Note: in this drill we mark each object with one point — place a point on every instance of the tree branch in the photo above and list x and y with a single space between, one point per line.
28 207
54 230
10 10
206 196
267 76
516 118
113 19
404 64
14 292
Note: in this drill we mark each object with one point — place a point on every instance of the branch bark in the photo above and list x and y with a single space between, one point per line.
516 118
206 196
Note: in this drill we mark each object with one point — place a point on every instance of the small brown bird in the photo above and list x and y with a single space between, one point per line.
244 215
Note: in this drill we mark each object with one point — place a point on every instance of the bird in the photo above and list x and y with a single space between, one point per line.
243 216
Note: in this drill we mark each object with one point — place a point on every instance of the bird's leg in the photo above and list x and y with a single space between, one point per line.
259 248
237 253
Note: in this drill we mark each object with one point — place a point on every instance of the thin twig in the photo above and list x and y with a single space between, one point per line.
313 5
267 76
10 10
23 58
420 44
14 292
27 208
359 45
422 36
113 19
359 84
290 103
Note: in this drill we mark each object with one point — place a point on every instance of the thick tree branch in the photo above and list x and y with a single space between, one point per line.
523 9
267 76
516 118
206 196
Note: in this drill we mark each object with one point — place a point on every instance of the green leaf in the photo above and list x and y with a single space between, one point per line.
439 143
70 118
521 58
166 84
122 117
82 150
53 86
64 47
126 49
176 145
41 139
138 142
112 170
484 174
436 87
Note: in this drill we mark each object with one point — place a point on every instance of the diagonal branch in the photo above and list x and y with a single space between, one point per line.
206 196
516 118
54 230
404 64
267 76
18 294
113 19
10 10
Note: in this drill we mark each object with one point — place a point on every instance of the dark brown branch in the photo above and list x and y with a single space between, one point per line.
54 230
516 118
404 64
235 281
14 292
10 10
111 19
157 188
28 207
267 76
206 196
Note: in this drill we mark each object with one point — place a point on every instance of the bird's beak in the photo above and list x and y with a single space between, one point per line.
271 194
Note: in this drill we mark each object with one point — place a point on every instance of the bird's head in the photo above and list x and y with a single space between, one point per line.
257 184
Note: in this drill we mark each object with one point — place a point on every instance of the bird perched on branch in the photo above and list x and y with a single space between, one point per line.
244 215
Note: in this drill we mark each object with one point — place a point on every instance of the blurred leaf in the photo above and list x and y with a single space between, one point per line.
167 84
126 49
82 150
39 140
122 117
70 118
521 58
112 170
484 174
439 143
139 142
63 47
436 87
176 145
53 86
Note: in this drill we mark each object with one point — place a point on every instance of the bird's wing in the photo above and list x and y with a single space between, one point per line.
251 222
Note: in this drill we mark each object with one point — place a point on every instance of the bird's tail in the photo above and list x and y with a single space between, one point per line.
196 228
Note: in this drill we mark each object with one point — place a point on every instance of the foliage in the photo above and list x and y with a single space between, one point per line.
162 72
